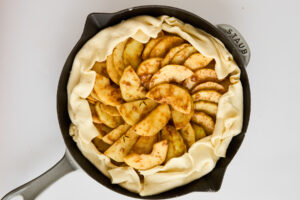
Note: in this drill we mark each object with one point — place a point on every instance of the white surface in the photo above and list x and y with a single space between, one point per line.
36 37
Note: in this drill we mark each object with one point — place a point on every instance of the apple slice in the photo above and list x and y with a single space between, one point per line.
102 129
188 135
173 95
200 76
205 121
91 99
167 59
199 132
133 112
209 86
105 92
207 95
122 146
130 85
197 61
116 133
111 110
147 161
147 68
111 70
183 54
164 45
100 68
174 73
95 116
176 144
108 120
100 144
180 120
207 107
154 122
151 44
144 144
132 53
118 57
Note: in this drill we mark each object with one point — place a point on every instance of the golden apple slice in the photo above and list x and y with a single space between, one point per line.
200 76
95 116
130 85
102 129
147 161
94 95
188 135
205 121
149 46
164 45
175 142
174 73
100 68
108 120
122 146
207 95
147 68
132 53
106 93
100 144
154 122
111 70
91 99
199 132
118 57
183 54
111 110
209 86
116 133
133 112
197 61
207 107
167 59
173 95
180 119
144 144
105 128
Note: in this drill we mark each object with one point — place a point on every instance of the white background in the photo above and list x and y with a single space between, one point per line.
36 38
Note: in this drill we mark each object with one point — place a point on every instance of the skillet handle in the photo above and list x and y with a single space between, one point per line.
237 40
34 187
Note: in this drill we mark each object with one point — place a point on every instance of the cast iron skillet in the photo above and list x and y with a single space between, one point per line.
73 159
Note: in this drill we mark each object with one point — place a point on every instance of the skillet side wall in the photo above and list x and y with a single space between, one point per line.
98 21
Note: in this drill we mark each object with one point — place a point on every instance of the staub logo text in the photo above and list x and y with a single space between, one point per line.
237 40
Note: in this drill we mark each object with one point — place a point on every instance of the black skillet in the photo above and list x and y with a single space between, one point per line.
73 159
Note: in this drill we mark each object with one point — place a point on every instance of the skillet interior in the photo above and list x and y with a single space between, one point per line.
97 21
